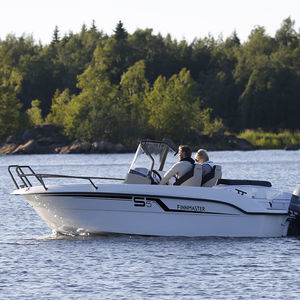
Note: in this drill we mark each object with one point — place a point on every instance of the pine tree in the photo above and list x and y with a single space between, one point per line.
55 38
120 32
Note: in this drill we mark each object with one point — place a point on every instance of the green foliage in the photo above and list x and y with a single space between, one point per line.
267 71
134 88
95 113
127 86
287 35
175 109
10 115
56 37
59 105
35 113
269 140
120 32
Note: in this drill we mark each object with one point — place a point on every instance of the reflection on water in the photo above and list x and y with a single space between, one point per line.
36 263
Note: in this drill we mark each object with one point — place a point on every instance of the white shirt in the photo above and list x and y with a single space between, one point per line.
177 170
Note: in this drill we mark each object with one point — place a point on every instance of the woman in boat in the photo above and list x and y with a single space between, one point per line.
184 165
202 158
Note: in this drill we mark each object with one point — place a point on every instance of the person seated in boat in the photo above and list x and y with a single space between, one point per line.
180 168
202 158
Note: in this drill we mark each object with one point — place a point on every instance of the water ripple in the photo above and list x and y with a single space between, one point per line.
36 263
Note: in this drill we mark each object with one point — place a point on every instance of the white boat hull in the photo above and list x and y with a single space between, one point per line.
162 210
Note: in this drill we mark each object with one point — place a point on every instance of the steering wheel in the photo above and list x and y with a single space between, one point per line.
156 173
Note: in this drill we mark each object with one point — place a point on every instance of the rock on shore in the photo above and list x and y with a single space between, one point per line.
292 147
47 139
223 142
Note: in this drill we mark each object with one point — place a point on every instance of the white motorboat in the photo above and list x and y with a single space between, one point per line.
138 205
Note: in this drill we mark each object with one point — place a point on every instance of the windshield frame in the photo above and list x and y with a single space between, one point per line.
144 148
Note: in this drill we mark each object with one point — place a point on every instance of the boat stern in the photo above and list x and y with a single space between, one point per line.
294 228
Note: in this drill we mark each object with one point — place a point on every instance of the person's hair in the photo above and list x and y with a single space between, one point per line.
186 149
201 153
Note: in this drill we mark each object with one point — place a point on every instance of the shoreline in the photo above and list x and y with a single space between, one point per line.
40 147
48 139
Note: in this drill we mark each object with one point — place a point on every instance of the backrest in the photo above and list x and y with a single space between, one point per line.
196 179
217 175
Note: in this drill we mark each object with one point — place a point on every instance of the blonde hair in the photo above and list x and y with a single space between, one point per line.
202 154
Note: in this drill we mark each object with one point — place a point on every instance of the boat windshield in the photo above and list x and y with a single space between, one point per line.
151 155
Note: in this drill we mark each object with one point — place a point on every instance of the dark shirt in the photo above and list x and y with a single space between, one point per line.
207 167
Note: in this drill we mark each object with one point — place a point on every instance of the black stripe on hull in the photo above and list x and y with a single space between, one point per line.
166 208
157 199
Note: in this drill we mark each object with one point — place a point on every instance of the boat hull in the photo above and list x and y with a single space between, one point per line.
162 210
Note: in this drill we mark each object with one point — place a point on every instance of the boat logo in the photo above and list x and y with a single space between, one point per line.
142 202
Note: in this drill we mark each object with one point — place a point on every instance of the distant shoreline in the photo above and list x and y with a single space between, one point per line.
47 139
40 146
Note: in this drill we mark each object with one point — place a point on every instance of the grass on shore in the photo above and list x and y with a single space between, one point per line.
269 140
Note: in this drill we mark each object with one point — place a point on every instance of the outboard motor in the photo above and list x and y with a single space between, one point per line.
294 228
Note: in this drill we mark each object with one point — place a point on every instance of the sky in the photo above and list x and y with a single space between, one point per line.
183 19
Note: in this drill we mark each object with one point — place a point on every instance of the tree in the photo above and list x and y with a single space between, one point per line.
115 56
56 37
175 108
162 56
35 113
120 32
218 88
10 116
286 35
134 88
59 106
268 81
113 85
93 27
95 113
252 75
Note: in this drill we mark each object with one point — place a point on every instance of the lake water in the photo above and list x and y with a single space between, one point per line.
36 264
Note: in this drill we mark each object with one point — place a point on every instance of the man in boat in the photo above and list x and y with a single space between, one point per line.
202 158
184 165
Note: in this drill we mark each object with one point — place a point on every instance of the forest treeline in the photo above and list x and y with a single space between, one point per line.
127 86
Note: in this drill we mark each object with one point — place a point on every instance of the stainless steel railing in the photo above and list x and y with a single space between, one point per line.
19 171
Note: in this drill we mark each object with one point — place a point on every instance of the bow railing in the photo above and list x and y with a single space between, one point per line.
25 173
